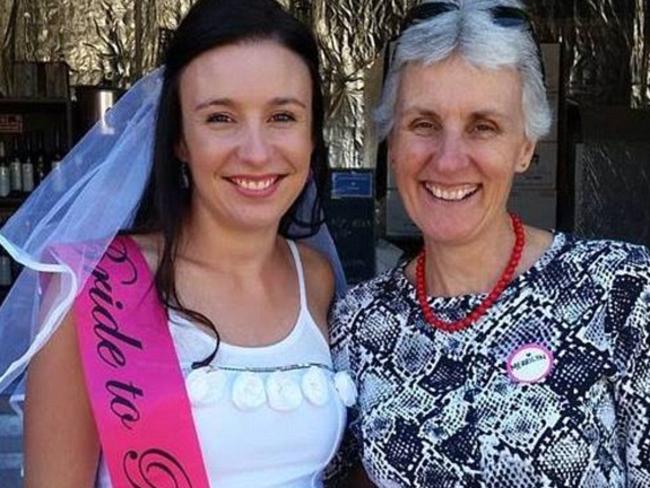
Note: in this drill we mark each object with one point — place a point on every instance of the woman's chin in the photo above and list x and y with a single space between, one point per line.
451 229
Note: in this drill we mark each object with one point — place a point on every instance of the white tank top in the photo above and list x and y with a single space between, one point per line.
270 416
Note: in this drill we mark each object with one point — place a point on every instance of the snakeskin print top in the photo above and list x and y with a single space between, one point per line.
550 389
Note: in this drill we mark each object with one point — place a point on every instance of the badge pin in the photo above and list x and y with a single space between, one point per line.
531 363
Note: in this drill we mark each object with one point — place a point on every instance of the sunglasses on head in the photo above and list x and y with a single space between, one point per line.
502 15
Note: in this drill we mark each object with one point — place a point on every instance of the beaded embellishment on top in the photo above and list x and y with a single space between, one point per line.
282 388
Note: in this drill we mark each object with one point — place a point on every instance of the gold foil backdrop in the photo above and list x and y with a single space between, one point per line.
352 35
113 42
110 42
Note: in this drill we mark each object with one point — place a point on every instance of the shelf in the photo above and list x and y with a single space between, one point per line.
35 101
12 202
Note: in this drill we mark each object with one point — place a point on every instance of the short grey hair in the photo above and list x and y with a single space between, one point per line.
471 33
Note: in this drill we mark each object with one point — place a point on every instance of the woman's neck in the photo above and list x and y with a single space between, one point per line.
470 267
230 250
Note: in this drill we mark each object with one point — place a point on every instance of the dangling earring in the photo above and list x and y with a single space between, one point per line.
185 176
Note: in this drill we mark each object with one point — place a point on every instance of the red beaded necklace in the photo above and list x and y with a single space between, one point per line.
488 301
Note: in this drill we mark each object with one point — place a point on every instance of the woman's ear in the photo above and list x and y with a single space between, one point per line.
525 156
180 150
389 152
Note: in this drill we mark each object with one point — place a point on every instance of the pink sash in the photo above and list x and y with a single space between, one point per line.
133 376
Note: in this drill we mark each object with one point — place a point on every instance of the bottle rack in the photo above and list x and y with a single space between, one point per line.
29 127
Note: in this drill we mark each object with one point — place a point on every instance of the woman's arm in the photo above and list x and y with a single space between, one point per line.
628 312
61 443
359 478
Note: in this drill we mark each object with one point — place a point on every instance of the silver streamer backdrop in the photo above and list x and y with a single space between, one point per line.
114 42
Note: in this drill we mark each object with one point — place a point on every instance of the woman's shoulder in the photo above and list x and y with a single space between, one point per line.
384 288
317 269
149 245
319 284
603 263
608 254
314 262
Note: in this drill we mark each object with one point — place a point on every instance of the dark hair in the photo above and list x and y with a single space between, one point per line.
210 24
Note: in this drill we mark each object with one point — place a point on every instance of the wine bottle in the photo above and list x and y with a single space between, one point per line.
27 167
40 168
15 171
5 271
5 175
59 147
59 183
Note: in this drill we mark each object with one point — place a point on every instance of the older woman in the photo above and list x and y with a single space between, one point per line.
504 355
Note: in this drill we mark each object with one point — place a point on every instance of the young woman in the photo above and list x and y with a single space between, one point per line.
228 182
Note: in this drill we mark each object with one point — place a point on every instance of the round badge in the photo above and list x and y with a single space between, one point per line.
531 363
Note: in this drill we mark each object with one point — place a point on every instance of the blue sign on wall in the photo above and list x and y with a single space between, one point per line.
352 184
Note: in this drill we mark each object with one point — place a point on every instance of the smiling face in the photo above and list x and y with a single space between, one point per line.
246 132
457 142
